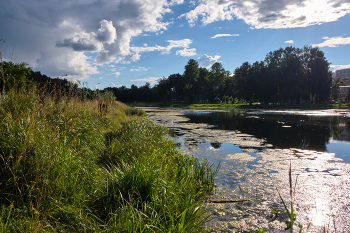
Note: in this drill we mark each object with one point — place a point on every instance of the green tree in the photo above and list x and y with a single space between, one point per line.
318 77
202 84
14 75
336 83
191 76
273 62
347 97
176 84
242 87
216 80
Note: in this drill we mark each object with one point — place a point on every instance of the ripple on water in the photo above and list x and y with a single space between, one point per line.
252 169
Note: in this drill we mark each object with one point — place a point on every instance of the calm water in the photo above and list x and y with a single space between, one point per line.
255 150
282 130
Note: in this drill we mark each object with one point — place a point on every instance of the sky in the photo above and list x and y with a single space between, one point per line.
111 43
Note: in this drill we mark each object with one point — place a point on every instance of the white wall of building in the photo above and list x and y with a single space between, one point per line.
343 73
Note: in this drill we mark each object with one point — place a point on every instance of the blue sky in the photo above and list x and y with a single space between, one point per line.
124 42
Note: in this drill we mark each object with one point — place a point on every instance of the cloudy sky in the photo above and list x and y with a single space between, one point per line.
110 43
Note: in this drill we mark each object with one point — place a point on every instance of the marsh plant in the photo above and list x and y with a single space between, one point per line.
291 220
66 167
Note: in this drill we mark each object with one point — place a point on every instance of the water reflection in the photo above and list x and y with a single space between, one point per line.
216 145
283 131
255 151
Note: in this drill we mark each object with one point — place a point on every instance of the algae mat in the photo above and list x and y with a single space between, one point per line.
252 169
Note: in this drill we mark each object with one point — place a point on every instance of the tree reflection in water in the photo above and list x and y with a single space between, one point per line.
281 130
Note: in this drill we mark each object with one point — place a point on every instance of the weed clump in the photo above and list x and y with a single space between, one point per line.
64 166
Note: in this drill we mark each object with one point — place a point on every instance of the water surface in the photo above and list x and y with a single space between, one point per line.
256 149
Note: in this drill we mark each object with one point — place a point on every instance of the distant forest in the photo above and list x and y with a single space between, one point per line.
289 75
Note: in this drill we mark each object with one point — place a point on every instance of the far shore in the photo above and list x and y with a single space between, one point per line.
244 106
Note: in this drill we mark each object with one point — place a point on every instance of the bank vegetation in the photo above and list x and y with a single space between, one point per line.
68 164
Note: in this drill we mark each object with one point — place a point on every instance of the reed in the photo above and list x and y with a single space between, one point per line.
66 166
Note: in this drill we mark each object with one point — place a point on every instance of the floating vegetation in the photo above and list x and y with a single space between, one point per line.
252 169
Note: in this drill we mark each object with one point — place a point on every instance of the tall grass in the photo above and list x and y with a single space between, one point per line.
66 166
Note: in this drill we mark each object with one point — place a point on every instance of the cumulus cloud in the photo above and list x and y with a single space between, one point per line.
269 13
207 61
186 52
151 80
339 67
221 35
113 84
333 42
139 69
92 41
289 42
137 51
184 43
107 33
116 74
61 37
210 11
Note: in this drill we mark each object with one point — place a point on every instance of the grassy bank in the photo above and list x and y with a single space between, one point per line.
244 106
79 166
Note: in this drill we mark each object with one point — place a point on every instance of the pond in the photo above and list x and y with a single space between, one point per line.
255 150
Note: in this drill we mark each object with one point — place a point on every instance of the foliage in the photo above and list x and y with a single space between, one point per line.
191 76
106 96
67 168
287 75
347 97
336 83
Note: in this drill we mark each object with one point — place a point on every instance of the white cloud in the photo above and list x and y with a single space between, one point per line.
269 13
221 35
207 61
54 36
289 42
177 1
339 67
96 86
139 69
136 52
186 52
333 42
210 11
151 80
107 33
113 84
184 43
116 74
100 78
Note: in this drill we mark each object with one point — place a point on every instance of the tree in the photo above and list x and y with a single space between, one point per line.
273 62
318 77
216 80
14 75
202 84
242 88
176 84
347 96
336 83
191 76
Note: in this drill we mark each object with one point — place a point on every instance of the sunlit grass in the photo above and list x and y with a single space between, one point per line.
68 167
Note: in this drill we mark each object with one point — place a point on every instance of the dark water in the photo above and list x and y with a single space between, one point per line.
256 150
283 131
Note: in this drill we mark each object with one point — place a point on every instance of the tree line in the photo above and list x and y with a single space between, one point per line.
286 75
18 76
